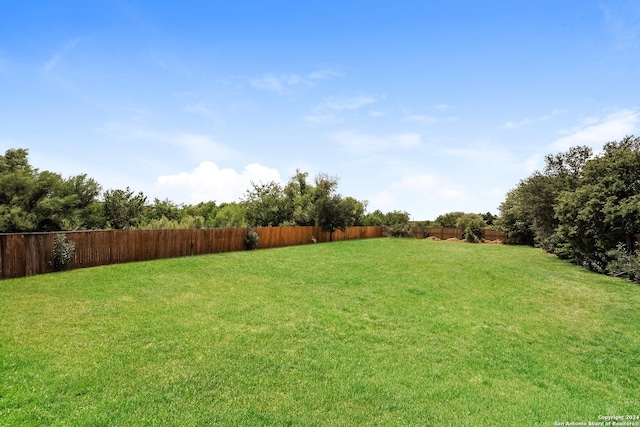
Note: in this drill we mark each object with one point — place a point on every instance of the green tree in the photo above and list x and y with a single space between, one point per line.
330 210
398 223
207 210
301 197
332 213
163 209
31 200
231 215
448 219
528 212
266 205
472 226
375 218
356 210
123 209
604 210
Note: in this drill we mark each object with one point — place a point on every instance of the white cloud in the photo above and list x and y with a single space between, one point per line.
595 133
356 142
422 194
327 112
385 201
197 145
417 182
280 83
209 182
430 120
348 102
51 63
430 184
529 121
201 109
323 74
321 118
515 125
285 83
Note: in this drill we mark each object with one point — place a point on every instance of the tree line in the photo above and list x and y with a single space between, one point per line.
583 207
34 200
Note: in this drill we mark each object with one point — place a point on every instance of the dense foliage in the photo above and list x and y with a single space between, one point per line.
582 207
33 200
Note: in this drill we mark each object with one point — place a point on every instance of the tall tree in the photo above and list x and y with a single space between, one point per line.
122 208
31 200
332 213
266 205
528 212
301 197
604 210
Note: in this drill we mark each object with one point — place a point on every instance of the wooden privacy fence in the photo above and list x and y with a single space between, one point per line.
31 253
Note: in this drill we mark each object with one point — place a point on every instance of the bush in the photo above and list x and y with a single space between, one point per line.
251 241
399 230
63 251
398 223
624 263
471 225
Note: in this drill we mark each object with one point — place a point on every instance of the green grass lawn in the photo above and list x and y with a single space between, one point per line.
370 332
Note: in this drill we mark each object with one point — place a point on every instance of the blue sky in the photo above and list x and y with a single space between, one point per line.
423 106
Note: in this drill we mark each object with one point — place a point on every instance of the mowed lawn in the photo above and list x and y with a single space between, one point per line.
371 332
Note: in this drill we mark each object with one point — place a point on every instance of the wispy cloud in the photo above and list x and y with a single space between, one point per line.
595 133
356 142
285 83
327 112
530 121
430 120
195 145
349 102
420 188
318 118
56 56
436 116
209 182
202 109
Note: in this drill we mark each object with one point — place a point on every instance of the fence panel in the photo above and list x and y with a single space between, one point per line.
31 253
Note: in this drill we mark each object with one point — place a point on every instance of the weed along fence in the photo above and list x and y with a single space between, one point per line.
32 253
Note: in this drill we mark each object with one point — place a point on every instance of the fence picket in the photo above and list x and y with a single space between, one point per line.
31 253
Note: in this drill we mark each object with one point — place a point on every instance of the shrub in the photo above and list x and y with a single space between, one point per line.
624 263
399 230
63 251
251 241
471 225
398 223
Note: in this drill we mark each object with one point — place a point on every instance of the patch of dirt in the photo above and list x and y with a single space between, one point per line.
432 238
493 242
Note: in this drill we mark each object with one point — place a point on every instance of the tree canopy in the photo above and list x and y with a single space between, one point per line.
33 200
582 207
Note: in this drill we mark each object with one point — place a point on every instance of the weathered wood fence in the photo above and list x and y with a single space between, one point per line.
31 253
